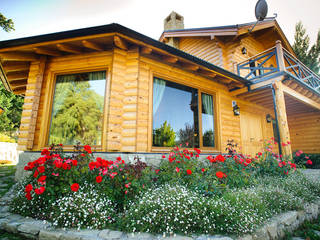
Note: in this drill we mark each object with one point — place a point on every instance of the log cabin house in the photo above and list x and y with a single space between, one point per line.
123 92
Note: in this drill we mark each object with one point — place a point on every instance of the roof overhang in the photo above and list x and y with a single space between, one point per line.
17 54
230 30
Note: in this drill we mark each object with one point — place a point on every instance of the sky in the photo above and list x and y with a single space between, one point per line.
34 17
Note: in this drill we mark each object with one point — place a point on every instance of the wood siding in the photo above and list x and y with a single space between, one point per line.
203 48
128 101
304 132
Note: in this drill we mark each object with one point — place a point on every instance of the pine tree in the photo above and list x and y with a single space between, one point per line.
310 56
6 24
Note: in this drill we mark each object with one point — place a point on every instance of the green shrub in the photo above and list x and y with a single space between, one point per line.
85 208
301 159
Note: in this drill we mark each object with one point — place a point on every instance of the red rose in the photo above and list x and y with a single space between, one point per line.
309 162
36 173
82 154
74 187
39 191
163 156
211 159
98 179
220 158
41 169
74 162
26 168
45 152
203 170
28 196
66 166
220 174
28 188
177 169
42 179
189 172
92 165
197 150
87 148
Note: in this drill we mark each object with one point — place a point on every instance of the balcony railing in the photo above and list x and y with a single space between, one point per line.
277 59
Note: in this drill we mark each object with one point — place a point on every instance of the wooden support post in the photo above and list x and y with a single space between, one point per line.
281 118
280 58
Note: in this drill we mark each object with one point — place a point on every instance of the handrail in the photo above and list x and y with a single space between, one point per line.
256 55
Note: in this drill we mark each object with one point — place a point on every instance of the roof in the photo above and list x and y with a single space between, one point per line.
228 30
34 41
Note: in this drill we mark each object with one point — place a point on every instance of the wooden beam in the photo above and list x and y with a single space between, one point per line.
301 98
19 57
207 73
18 84
68 48
120 43
282 121
170 59
46 51
189 66
20 91
146 50
17 76
15 66
234 84
239 91
92 45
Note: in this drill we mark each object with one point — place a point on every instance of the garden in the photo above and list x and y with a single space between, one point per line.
186 194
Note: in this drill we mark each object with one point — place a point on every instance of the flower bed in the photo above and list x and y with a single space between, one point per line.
231 193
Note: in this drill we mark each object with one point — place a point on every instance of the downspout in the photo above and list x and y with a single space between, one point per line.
276 116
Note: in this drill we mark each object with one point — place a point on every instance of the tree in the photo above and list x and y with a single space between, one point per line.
187 135
310 56
11 117
6 24
164 136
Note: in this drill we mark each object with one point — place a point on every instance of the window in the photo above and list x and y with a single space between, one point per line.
77 109
176 115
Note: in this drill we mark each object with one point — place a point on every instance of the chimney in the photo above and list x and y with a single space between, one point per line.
173 22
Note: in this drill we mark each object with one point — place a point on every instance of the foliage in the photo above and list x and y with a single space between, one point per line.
85 208
5 138
229 193
186 135
168 210
11 116
310 56
302 158
164 136
6 24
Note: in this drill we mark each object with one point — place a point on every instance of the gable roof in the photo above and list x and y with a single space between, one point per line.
228 30
31 43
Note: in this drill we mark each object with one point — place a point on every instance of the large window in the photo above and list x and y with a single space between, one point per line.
77 110
176 116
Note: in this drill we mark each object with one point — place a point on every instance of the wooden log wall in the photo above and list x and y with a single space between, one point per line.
128 103
304 132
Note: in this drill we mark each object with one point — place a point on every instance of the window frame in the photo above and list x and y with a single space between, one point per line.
200 90
46 122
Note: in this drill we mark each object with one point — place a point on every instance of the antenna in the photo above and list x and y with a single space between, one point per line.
261 11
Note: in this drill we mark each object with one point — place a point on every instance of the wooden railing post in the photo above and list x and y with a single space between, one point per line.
281 118
280 58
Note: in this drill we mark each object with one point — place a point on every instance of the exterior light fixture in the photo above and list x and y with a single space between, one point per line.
1 110
236 109
244 50
268 118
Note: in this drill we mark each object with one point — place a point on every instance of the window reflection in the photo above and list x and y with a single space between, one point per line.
207 120
77 110
175 114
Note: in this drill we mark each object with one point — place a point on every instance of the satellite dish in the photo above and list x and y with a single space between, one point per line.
261 10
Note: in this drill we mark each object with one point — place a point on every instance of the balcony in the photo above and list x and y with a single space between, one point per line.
278 61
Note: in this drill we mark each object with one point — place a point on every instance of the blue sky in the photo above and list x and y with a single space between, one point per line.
34 17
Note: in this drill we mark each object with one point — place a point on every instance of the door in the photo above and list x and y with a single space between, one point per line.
251 133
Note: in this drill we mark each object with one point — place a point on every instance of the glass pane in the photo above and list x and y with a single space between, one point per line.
175 114
77 110
207 120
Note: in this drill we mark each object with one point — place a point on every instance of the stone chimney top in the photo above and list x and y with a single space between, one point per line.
173 21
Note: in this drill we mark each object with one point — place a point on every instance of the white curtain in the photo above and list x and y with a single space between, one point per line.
158 91
207 104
